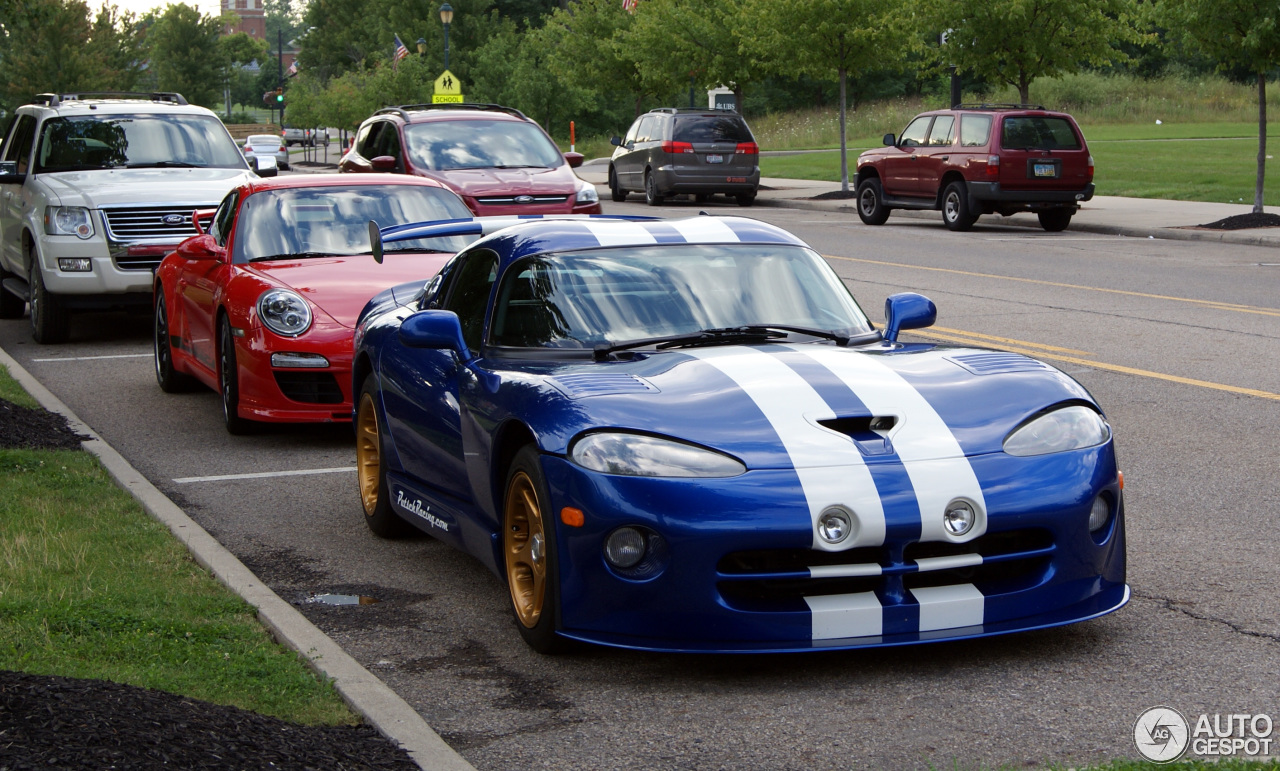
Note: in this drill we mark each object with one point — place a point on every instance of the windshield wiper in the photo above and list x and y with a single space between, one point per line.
519 166
294 255
164 165
413 250
703 337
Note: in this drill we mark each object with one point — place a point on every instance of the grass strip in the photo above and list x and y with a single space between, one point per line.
93 587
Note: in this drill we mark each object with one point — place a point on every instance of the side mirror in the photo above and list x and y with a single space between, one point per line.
440 330
265 166
9 173
201 219
383 163
575 159
889 140
615 141
201 247
907 310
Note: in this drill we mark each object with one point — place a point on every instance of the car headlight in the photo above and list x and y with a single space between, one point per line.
586 193
284 312
68 221
1069 428
648 456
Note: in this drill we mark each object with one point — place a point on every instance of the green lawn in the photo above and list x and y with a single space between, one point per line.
92 587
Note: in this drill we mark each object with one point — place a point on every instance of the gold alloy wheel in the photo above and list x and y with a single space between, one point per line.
524 540
368 454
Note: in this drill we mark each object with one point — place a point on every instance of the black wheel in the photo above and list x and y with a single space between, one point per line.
615 192
1055 220
11 305
871 208
746 199
651 194
529 553
371 468
229 382
955 207
170 379
50 322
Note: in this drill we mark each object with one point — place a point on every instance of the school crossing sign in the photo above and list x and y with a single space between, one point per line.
448 89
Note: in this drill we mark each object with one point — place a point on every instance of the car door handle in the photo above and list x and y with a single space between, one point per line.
944 157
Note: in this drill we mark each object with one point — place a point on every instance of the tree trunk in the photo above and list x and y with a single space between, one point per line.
1024 91
1262 141
639 102
737 98
844 151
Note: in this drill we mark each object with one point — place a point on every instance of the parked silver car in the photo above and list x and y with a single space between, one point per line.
671 151
258 145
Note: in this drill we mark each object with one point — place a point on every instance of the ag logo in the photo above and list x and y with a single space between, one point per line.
1161 734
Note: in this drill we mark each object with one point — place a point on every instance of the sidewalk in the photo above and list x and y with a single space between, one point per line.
1112 215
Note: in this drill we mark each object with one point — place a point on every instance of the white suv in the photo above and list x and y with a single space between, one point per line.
94 190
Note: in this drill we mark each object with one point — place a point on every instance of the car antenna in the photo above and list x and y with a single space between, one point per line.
375 241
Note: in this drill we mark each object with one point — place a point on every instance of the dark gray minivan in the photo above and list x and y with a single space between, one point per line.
671 151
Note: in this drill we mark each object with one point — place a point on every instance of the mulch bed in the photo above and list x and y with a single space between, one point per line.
63 723
35 429
1245 221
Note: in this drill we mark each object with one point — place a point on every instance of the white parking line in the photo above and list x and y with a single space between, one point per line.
264 475
91 358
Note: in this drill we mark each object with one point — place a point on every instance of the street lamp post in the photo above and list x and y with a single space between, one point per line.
446 16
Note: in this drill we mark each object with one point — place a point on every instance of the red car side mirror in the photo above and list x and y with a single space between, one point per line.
383 163
201 247
574 159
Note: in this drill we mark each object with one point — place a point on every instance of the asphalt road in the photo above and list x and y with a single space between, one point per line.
1178 342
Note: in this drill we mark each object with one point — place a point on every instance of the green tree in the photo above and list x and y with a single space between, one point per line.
586 49
822 37
511 69
186 54
117 47
1242 34
675 40
1017 41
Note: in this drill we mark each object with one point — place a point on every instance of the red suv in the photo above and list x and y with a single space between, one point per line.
495 158
979 159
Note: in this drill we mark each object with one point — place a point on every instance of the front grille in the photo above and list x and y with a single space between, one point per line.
149 222
310 387
780 579
510 200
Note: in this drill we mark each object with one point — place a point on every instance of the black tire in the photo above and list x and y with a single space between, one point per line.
11 305
529 554
229 382
746 199
871 208
651 194
615 192
170 379
50 322
371 467
1055 220
955 208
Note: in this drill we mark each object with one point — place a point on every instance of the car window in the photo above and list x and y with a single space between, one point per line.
264 139
223 218
389 143
914 134
19 147
479 144
704 128
1037 132
940 135
135 140
469 295
647 124
368 138
631 132
975 130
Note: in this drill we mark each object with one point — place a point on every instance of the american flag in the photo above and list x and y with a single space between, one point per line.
629 5
401 51
293 68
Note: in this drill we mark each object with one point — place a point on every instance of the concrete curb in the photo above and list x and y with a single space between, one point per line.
364 693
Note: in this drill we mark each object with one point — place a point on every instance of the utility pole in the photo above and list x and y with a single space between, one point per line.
280 69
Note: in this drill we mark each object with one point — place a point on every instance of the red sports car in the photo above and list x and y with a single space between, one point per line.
261 306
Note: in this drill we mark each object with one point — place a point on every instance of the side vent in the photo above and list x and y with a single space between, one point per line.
996 363
601 384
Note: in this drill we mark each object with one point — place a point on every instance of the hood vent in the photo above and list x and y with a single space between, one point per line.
997 363
601 384
869 432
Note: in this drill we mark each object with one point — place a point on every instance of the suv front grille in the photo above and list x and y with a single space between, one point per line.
510 200
140 236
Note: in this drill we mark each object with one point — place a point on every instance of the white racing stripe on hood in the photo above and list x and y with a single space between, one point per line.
705 230
831 470
618 233
929 452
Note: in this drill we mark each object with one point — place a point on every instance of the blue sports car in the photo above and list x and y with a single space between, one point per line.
685 435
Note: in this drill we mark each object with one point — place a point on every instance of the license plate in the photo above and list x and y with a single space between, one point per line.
1046 170
715 159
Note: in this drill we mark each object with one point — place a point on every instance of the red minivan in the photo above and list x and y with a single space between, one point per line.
979 159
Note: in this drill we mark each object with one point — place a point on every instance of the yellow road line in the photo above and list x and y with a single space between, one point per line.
1204 303
1010 341
1105 366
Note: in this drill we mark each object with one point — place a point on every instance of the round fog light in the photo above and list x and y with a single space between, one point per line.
1099 514
625 547
959 517
834 525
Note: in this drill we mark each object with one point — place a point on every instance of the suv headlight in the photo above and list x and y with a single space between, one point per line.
284 312
648 456
68 221
1069 428
586 193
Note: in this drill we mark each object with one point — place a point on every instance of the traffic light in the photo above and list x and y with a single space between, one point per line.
279 95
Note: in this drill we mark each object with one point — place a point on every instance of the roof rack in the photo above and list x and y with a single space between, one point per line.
678 110
998 106
55 100
403 110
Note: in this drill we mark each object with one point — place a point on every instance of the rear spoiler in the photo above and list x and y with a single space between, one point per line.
470 226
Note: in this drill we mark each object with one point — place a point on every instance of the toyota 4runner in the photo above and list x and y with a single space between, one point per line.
979 159
94 190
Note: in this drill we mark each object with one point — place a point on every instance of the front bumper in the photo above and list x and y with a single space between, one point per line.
1036 566
106 284
291 394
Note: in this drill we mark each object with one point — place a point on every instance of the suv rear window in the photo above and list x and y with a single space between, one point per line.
710 128
1037 132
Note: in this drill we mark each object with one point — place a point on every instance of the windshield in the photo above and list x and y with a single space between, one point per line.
479 144
335 220
114 141
608 296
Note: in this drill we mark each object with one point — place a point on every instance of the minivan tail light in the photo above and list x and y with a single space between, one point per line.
1090 174
993 166
747 148
677 147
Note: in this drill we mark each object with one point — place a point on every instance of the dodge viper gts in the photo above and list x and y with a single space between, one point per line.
686 435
